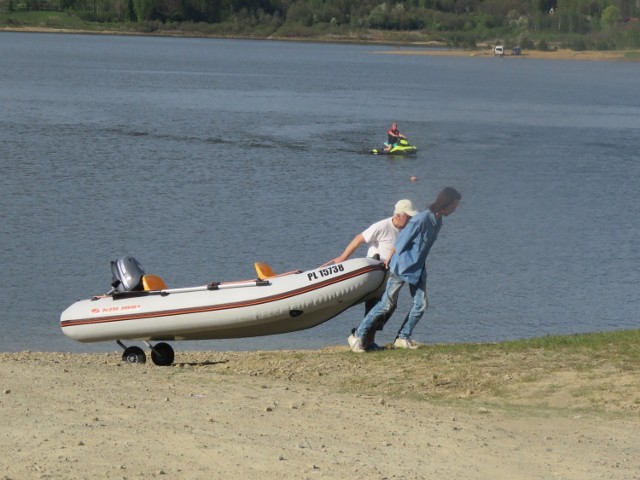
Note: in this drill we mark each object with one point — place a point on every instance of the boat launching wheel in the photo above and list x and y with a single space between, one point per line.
133 355
162 354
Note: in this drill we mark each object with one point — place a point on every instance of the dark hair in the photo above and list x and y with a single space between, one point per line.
446 197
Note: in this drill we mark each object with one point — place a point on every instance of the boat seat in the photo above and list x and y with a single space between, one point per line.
264 270
153 282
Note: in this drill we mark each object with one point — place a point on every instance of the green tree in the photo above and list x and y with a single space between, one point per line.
143 9
611 15
547 5
378 17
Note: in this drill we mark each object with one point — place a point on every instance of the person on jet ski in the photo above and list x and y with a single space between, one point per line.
393 137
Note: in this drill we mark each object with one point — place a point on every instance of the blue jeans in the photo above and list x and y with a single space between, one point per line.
388 303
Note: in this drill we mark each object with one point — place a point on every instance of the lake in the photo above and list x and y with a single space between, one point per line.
201 156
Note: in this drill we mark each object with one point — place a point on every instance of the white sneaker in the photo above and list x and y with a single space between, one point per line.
404 343
356 344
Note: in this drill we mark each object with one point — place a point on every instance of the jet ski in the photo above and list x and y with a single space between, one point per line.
403 147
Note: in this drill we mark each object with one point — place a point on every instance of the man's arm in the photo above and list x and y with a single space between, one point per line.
352 247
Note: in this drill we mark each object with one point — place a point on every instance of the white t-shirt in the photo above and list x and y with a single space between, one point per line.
380 237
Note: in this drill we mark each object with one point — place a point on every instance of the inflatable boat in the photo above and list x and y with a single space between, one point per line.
401 148
141 307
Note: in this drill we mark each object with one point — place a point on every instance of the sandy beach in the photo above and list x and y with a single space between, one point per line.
560 54
317 414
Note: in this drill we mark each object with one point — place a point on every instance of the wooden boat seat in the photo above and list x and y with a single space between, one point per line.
264 270
153 282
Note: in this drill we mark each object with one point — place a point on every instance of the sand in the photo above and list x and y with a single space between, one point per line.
560 54
315 414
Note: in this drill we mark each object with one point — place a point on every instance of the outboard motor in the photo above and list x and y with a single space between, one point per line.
127 275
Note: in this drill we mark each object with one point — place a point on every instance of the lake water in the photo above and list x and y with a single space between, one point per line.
200 156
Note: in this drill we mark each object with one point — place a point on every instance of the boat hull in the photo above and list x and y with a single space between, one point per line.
227 310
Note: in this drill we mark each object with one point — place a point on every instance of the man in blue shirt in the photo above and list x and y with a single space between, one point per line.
407 264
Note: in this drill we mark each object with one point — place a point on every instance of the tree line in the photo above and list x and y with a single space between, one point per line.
600 24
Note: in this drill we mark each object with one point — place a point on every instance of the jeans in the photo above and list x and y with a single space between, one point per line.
382 320
388 303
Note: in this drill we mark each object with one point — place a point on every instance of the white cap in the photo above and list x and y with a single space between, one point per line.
405 206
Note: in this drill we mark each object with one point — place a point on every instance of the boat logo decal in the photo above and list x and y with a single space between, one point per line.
120 308
325 272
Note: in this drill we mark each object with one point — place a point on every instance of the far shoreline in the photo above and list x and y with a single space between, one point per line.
559 54
401 48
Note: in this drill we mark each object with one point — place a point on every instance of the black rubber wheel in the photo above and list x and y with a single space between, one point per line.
162 354
133 355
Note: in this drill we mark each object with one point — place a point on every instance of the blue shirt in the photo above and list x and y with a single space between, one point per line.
413 245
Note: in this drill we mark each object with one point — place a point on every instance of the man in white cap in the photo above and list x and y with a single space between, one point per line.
380 237
408 264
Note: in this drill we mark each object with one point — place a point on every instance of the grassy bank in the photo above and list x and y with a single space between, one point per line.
578 372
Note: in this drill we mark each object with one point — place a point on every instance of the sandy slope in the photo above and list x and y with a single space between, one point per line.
288 415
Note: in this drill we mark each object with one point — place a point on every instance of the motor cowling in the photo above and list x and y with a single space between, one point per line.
127 275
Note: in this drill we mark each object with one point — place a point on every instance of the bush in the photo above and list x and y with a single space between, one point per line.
147 27
462 40
492 22
527 43
96 17
578 45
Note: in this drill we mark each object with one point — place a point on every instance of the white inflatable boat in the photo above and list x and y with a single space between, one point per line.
141 307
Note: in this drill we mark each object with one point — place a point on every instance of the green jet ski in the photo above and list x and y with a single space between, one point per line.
403 147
